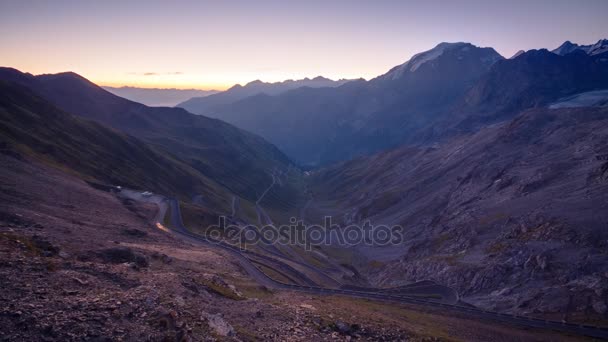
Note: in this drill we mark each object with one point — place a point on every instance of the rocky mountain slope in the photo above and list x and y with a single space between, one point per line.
533 79
78 263
512 216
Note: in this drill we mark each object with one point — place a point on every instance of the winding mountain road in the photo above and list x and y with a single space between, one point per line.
179 230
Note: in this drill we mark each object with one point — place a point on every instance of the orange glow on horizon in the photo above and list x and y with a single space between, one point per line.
216 44
181 86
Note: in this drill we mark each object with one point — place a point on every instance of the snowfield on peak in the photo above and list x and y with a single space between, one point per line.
423 57
594 49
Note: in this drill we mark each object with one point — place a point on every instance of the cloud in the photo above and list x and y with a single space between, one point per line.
150 73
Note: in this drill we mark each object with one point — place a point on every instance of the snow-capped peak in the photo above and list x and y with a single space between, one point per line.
420 58
594 49
600 47
460 50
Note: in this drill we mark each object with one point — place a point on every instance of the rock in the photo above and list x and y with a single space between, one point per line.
63 255
179 300
164 319
217 285
308 306
165 259
134 232
599 306
119 255
342 327
48 330
234 290
219 325
541 261
132 266
80 281
45 247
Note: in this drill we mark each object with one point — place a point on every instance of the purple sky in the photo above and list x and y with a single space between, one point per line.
214 44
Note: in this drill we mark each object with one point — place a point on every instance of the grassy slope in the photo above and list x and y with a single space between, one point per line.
35 127
239 161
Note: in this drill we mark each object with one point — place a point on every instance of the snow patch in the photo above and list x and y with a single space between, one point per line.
421 58
596 98
595 49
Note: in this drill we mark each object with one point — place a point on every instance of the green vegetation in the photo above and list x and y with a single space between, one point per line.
381 203
167 218
197 218
34 127
24 241
273 274
221 290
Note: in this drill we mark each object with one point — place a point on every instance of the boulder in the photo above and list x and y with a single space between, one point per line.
218 325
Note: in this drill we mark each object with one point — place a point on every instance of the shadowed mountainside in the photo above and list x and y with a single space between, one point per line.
206 105
32 126
451 89
319 126
240 161
513 216
533 79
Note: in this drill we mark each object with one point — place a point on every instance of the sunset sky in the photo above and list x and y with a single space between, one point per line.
215 44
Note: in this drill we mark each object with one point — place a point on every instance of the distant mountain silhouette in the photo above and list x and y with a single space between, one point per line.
450 89
205 105
518 53
156 97
321 125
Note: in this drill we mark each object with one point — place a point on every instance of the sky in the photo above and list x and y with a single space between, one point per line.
215 44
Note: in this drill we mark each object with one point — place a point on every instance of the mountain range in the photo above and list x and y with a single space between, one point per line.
204 105
444 91
592 49
157 97
496 170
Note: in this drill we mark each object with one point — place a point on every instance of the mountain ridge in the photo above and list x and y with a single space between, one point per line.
34 127
233 158
158 97
601 46
317 126
205 105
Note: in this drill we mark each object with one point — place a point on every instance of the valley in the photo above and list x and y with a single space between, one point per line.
489 176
